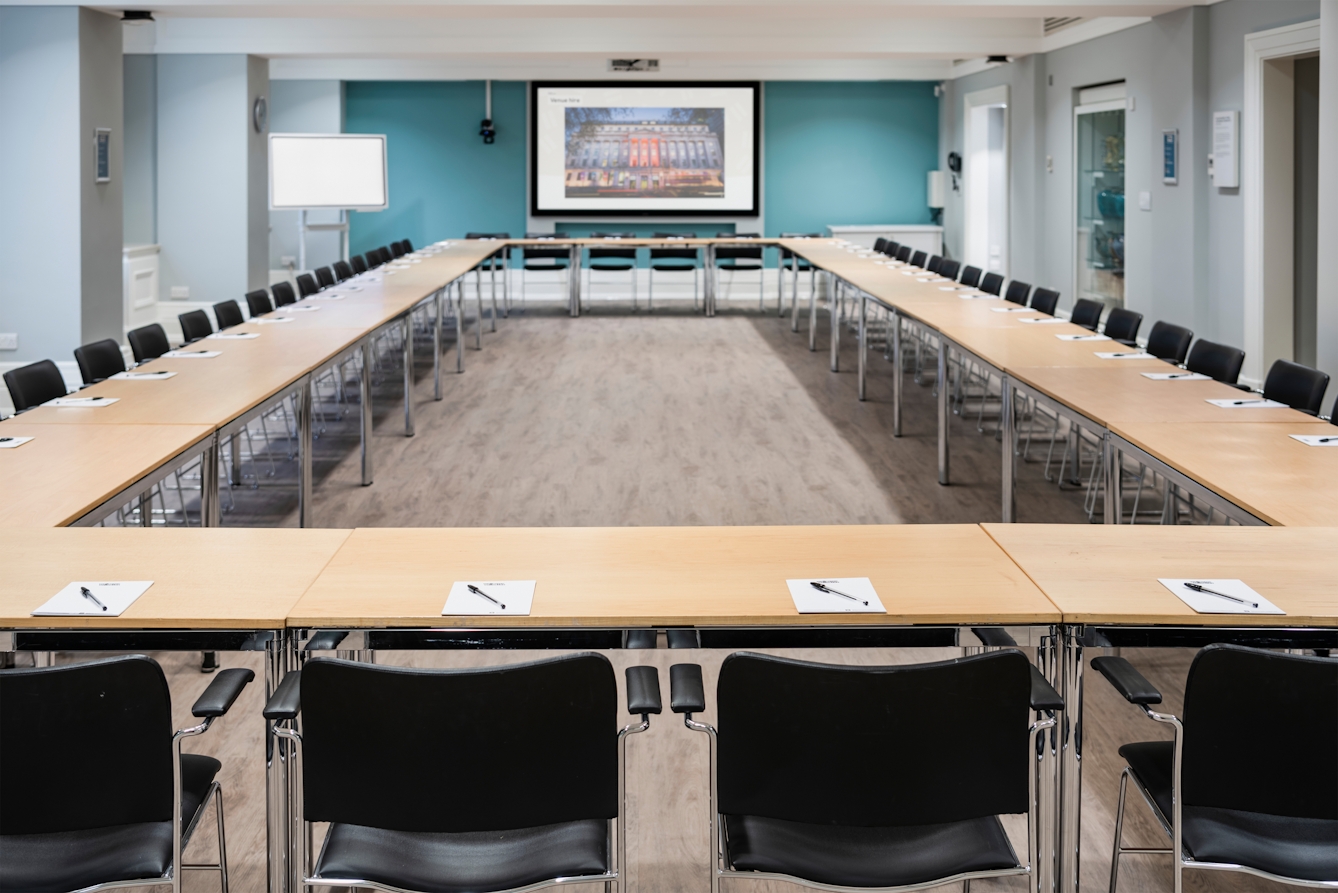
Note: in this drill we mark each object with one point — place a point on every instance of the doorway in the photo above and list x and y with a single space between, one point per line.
985 176
1098 166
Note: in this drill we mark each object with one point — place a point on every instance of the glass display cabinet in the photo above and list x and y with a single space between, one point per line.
1099 144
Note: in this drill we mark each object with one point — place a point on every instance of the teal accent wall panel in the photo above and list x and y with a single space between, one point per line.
444 181
848 153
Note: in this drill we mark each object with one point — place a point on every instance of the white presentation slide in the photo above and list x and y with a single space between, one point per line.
327 170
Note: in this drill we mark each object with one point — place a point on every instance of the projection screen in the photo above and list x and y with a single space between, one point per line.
327 170
684 148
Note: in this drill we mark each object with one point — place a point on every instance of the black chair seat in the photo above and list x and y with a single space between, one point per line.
72 860
680 267
610 265
539 267
867 857
465 862
1292 847
738 265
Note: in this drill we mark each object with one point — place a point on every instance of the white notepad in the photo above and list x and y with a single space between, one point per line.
1125 355
272 319
1083 337
133 375
326 296
9 443
1049 321
810 600
1012 310
1250 602
194 354
979 296
947 288
516 595
235 336
117 595
298 308
1177 376
1319 440
82 401
1248 403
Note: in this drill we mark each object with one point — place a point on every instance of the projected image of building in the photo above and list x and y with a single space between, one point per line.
645 158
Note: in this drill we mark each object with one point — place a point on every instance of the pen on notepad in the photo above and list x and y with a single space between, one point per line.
821 588
91 597
1199 587
5 439
479 592
1246 402
1321 440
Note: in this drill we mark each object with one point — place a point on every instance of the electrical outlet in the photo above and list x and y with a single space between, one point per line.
9 340
181 292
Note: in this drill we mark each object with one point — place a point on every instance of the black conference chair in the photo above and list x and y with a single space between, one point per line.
919 259
228 314
99 360
406 247
1122 325
904 253
797 265
544 260
525 817
991 283
892 248
880 245
1087 313
673 260
1169 342
94 788
1046 300
397 249
258 303
283 293
34 384
739 258
1215 360
933 263
1235 793
825 775
971 276
148 342
195 325
306 285
342 270
1300 387
613 260
1017 292
325 277
948 269
358 263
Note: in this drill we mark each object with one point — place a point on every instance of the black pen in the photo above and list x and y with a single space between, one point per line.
823 588
8 439
479 592
1199 587
1321 440
91 597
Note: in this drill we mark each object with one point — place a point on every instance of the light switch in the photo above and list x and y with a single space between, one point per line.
1145 201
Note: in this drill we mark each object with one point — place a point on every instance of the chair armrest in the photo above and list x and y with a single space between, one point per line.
686 692
683 638
994 636
222 692
326 640
286 702
1043 694
641 638
1127 681
643 690
1243 387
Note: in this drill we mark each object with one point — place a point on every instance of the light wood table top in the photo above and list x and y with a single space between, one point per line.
676 576
218 578
66 471
1019 347
1256 465
1104 574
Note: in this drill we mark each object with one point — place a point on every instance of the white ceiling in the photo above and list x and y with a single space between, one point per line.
693 39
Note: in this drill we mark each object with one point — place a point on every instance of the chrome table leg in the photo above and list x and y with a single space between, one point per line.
365 409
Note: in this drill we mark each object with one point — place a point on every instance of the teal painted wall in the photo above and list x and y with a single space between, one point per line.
834 152
444 181
848 152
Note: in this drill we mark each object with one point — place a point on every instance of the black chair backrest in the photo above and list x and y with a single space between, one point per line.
971 276
562 255
1045 300
195 325
1300 387
397 249
991 283
52 716
1122 324
673 253
892 248
933 264
739 252
148 342
1087 313
342 270
379 256
1167 341
358 263
306 285
1017 292
99 360
904 253
948 268
673 235
408 246
228 314
919 259
325 277
790 733
283 293
553 235
1287 766
33 385
258 303
880 245
624 253
1219 361
486 717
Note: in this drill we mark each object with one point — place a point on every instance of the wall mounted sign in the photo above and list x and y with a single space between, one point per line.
1170 159
1226 150
102 155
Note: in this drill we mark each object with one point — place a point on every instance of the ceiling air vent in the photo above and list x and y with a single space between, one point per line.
634 65
1055 23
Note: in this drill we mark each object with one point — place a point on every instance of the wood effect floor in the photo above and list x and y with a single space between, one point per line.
614 419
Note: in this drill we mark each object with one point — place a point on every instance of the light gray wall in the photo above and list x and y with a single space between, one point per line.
141 149
305 107
101 211
208 227
257 177
1326 290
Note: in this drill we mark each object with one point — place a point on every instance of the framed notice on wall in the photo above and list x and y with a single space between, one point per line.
102 155
668 148
1170 159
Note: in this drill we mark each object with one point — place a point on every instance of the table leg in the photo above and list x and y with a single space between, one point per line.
1049 661
942 410
492 276
1075 453
863 346
459 303
1114 500
813 316
235 458
1009 424
478 309
146 503
794 304
834 311
436 344
209 484
709 271
408 372
574 280
365 409
894 332
276 775
304 507
1070 762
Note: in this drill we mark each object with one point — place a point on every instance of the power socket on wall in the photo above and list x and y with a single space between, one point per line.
9 340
